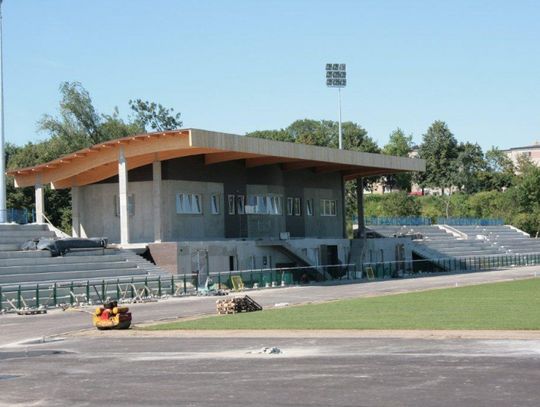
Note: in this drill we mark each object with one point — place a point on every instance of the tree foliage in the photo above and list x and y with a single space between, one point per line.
399 145
440 150
152 116
77 125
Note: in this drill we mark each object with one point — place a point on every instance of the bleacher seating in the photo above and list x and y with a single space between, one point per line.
506 238
438 242
30 267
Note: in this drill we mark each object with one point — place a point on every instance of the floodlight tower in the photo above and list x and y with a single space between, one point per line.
336 77
3 213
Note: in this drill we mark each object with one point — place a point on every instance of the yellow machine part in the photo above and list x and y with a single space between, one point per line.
106 323
120 310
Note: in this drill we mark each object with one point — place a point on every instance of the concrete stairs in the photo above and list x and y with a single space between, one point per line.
290 251
33 267
12 236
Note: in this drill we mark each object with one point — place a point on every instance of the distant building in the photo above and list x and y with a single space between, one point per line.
532 152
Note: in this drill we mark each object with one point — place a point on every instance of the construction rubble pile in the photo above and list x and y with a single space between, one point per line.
237 304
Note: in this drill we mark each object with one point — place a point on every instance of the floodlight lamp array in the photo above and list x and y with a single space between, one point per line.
336 75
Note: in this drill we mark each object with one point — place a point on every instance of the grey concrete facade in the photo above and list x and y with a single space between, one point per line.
99 212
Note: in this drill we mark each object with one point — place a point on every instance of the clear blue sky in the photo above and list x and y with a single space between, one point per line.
238 66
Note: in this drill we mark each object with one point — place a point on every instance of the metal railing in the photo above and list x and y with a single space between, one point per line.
268 277
148 288
151 288
470 221
63 294
20 216
397 221
382 270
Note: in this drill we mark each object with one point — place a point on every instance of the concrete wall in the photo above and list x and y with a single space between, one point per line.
215 256
382 250
191 175
192 226
97 212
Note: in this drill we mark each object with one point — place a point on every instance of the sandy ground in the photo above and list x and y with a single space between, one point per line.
323 333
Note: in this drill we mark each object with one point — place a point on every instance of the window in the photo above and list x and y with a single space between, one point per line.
188 203
290 206
297 207
328 207
240 204
264 205
214 203
230 202
309 207
130 205
251 206
274 206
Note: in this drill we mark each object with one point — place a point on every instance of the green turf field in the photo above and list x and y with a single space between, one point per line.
511 305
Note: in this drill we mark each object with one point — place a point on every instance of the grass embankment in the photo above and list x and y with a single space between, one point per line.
508 306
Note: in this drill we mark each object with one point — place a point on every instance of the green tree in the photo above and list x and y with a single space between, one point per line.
440 150
470 164
152 116
501 170
399 145
400 204
78 125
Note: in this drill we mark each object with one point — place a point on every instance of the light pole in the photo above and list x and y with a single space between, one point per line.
336 77
3 213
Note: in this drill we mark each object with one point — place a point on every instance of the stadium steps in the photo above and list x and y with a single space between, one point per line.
39 267
12 236
287 249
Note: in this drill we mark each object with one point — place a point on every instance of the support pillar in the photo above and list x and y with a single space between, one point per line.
40 200
156 200
360 207
75 212
123 197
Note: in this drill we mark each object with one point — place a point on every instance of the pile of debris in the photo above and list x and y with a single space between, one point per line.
237 304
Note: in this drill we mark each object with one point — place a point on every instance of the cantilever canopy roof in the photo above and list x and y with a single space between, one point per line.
100 162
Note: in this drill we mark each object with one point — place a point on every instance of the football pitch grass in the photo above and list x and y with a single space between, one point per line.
500 306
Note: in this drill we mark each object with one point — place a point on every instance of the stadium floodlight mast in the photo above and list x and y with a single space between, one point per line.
3 212
336 77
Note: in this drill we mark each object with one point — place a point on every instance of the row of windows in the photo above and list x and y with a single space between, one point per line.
192 204
272 205
188 203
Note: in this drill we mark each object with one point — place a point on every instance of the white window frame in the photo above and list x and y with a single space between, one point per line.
297 207
264 204
309 207
130 205
328 207
240 204
215 204
188 203
290 206
231 204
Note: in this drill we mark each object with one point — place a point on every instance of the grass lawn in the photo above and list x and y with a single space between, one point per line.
509 305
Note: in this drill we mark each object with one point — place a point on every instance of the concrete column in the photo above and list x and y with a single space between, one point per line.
156 200
360 207
75 214
123 197
40 200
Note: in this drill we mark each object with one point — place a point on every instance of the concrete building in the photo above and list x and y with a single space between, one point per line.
532 152
204 200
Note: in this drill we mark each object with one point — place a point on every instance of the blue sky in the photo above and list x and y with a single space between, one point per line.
239 66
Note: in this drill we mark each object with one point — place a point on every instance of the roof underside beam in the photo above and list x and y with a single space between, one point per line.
261 161
109 170
220 157
353 174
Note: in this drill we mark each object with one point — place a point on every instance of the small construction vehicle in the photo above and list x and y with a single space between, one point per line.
111 316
